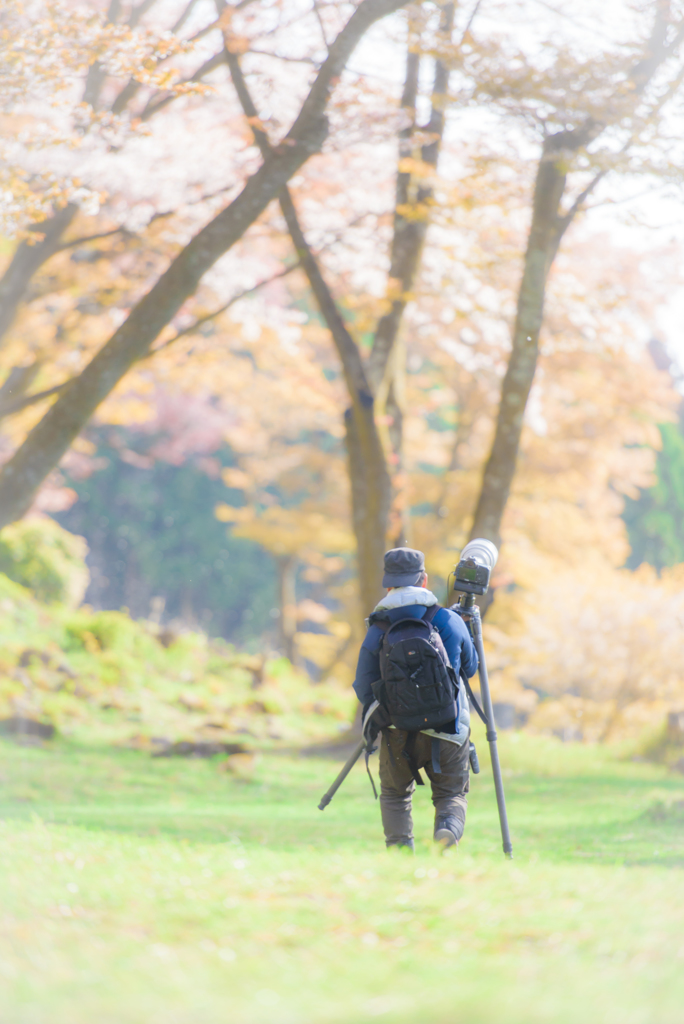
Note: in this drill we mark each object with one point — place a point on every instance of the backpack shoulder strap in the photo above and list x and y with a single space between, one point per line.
428 618
431 611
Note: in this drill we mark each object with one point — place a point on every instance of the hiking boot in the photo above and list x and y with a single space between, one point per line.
446 832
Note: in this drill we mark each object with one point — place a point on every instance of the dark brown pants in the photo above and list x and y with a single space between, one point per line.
449 788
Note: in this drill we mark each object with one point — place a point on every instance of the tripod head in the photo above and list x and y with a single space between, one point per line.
474 570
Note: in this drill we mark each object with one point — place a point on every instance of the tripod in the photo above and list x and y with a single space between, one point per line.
470 613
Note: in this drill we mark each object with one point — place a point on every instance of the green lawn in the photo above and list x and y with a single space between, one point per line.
141 891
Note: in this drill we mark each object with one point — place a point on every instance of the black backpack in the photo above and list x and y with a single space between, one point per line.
417 687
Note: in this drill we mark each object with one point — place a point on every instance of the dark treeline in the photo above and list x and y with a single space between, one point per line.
157 548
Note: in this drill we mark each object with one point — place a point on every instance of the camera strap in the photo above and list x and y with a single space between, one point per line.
472 699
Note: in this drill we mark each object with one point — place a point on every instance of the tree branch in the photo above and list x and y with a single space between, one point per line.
18 381
158 215
96 74
196 324
471 19
132 87
320 22
156 104
10 408
567 219
280 56
84 239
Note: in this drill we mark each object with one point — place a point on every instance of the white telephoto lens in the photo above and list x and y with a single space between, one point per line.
482 551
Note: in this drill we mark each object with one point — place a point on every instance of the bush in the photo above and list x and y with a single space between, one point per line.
42 556
603 648
105 631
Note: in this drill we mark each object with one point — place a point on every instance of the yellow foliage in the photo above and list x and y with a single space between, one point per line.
312 611
320 648
233 477
289 531
604 645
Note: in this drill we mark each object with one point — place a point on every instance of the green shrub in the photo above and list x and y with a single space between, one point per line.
103 631
42 556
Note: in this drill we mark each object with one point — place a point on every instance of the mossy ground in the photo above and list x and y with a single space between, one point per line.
100 675
144 891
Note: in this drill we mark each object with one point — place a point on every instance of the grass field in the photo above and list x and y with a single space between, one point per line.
141 891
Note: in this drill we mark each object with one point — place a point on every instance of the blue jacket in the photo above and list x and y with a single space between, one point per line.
413 601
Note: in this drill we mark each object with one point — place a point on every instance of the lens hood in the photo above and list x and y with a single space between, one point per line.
482 551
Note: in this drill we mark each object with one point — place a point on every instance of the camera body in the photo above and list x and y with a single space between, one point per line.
471 577
474 570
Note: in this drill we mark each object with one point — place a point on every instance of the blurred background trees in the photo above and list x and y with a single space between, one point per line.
238 402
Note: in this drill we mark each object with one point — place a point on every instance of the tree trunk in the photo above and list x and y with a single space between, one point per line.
371 493
545 235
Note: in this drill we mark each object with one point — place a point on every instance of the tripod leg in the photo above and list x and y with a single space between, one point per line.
476 625
351 761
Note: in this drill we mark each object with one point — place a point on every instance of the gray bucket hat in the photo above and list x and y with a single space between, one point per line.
404 567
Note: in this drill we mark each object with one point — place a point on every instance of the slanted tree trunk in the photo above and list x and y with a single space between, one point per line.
371 487
51 437
371 494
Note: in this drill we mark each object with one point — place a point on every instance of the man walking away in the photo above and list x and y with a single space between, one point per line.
409 665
